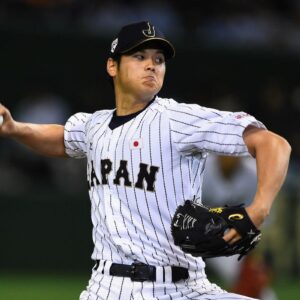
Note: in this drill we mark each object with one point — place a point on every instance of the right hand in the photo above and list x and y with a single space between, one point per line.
8 126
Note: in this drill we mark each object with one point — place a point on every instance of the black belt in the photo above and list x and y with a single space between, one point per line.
143 272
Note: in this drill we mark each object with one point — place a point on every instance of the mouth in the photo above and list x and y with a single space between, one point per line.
150 78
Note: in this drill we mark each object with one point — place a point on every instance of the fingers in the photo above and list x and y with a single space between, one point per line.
231 236
7 123
2 109
2 113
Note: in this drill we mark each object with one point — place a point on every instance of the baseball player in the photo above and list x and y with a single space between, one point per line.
145 158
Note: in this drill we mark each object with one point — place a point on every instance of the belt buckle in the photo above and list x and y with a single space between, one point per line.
141 272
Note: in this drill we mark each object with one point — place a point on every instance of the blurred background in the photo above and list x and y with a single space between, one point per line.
230 54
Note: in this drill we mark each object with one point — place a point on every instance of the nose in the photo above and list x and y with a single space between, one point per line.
150 66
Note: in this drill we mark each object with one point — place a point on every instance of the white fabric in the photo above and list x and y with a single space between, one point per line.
159 275
104 287
141 171
168 274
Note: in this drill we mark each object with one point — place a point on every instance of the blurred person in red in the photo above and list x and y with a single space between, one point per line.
232 181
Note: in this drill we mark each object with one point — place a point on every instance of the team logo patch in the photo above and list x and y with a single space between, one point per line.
241 115
136 143
149 32
114 45
236 217
216 210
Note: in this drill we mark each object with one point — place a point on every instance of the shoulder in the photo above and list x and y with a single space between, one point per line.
77 118
101 114
83 118
177 109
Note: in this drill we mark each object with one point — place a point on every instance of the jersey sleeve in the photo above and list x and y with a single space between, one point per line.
75 135
199 129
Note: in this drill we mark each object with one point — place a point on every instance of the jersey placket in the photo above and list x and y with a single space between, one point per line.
111 199
107 156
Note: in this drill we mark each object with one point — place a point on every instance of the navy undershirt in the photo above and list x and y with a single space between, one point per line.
117 121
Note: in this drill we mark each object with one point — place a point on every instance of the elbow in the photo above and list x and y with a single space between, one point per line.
282 145
286 146
258 140
268 141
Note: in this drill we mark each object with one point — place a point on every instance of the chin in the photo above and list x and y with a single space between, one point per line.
151 88
147 95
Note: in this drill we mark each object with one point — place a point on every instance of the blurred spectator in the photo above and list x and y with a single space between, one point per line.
39 106
107 17
235 23
255 278
42 106
229 180
232 181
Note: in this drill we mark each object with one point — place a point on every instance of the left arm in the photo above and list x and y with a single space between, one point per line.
272 153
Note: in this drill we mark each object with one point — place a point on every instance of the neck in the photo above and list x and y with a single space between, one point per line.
128 105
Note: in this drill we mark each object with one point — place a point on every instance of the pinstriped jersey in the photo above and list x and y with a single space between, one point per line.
139 172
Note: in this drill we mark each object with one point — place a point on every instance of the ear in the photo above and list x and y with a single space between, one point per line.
111 67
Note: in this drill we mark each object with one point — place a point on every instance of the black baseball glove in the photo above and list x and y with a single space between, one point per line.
198 230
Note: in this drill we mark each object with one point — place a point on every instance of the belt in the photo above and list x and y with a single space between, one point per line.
141 272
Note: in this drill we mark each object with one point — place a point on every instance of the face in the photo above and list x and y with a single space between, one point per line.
140 74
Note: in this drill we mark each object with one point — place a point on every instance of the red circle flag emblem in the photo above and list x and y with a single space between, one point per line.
136 143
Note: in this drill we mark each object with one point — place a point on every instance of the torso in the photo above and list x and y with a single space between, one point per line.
136 172
140 171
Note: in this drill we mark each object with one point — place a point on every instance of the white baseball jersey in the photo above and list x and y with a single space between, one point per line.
138 173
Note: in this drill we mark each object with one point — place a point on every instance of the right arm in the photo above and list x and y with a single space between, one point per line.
45 139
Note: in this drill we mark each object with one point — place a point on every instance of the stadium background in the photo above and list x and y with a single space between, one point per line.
232 55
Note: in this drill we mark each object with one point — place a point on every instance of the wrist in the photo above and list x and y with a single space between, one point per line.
19 129
258 213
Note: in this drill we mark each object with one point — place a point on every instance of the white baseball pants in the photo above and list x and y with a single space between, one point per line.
102 286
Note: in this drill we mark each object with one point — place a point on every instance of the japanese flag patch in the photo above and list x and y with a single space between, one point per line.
136 143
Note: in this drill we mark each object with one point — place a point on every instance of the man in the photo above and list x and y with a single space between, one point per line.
144 159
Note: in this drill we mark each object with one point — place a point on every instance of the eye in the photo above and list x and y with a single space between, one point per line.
138 56
160 59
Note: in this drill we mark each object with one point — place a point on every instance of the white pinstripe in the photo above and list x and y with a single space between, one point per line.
133 223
